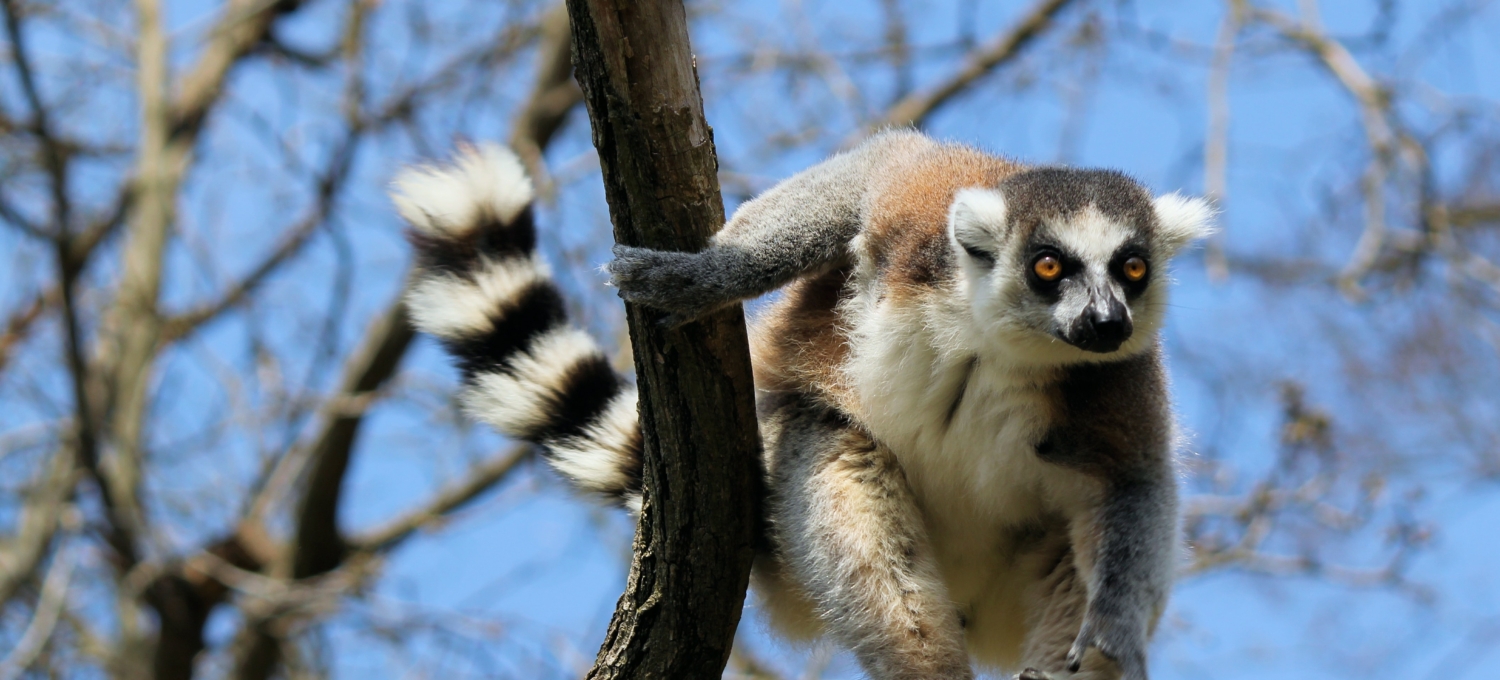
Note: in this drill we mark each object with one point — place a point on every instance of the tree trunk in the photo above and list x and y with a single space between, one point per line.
700 520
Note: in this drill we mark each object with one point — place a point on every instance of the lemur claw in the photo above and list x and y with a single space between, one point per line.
1113 646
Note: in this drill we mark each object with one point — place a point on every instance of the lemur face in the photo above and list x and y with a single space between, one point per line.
1067 265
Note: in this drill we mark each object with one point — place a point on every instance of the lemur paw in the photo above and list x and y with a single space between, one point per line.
1116 643
1033 674
681 283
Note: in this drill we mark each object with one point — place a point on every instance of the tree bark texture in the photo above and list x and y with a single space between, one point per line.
700 519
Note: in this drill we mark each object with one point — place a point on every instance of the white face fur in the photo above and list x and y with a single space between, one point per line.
1048 287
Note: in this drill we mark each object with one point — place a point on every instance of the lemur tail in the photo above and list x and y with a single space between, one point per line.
482 290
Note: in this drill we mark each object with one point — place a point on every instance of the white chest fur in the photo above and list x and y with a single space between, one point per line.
970 460
963 425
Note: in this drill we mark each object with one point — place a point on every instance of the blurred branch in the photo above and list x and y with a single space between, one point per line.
916 107
553 94
18 325
329 184
54 158
1473 215
897 45
475 482
37 524
54 597
743 665
317 545
1389 141
1235 531
1216 143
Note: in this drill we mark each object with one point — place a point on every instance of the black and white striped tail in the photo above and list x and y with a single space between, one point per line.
483 291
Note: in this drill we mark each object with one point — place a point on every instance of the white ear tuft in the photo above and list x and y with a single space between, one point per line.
1182 220
452 199
972 211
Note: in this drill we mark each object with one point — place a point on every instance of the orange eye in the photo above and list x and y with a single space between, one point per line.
1135 269
1047 268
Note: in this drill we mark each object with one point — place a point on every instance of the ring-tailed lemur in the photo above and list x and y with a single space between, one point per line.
968 439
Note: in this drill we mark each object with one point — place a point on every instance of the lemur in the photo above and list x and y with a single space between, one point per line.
968 441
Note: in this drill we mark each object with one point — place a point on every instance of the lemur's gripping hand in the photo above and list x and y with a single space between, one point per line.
684 284
1119 641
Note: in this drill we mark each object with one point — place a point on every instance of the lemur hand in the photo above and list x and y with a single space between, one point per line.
684 284
1116 641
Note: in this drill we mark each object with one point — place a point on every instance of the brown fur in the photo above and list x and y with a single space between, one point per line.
907 223
799 345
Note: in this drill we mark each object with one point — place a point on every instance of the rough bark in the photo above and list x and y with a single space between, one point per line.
695 539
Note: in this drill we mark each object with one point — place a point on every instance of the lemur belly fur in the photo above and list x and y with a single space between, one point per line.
967 435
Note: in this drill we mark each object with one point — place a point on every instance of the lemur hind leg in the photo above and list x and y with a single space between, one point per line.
1057 603
860 551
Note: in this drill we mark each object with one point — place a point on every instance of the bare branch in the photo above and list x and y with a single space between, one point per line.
916 107
38 524
54 158
1216 145
317 545
553 95
329 184
19 323
1388 140
476 481
39 631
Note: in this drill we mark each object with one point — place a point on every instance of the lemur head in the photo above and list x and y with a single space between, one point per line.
1069 265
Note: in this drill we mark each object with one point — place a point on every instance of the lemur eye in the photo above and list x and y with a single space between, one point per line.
1047 267
1135 269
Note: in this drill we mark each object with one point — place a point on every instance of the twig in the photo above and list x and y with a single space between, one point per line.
38 524
476 481
916 107
1216 146
20 323
44 621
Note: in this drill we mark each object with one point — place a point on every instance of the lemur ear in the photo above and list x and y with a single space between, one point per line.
1182 220
976 217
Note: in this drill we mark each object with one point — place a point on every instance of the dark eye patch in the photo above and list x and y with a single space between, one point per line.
1049 290
1117 268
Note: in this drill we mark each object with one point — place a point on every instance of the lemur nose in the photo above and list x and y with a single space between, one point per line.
1108 327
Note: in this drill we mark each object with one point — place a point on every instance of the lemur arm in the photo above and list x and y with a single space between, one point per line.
801 225
1130 542
1119 432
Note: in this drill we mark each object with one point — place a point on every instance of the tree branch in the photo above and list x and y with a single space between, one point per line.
20 323
317 545
700 516
916 107
330 182
43 621
475 482
37 524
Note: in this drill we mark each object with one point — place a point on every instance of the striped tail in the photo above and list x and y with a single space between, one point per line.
482 290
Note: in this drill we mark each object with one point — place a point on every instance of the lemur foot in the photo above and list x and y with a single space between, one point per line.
684 284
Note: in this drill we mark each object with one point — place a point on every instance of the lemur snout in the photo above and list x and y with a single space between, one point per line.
1102 328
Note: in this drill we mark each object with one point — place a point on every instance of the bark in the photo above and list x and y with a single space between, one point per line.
695 539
